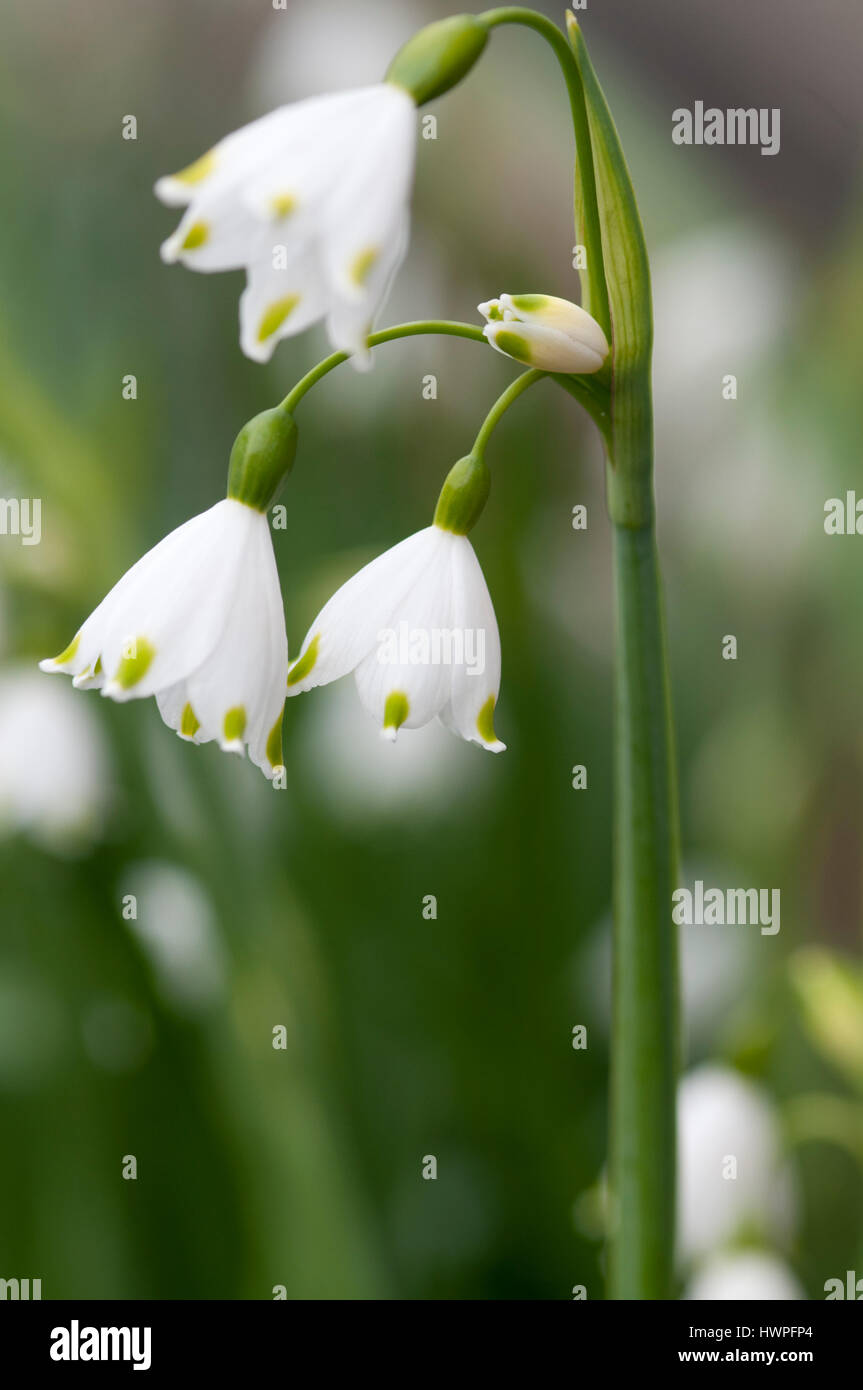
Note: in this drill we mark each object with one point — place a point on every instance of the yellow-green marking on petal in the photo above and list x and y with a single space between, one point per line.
396 710
133 668
282 204
235 724
198 170
362 265
275 316
69 652
274 744
485 722
197 235
189 722
306 662
515 345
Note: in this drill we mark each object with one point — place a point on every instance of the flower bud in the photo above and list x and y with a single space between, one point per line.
463 495
542 331
262 457
438 57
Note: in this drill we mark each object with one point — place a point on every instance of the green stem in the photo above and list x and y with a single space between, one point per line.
586 202
386 335
644 1038
501 406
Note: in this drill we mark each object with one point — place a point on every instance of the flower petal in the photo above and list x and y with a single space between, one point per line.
279 302
474 692
238 690
170 605
347 627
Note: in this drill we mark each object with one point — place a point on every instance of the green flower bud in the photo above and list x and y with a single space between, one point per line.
463 495
438 57
262 457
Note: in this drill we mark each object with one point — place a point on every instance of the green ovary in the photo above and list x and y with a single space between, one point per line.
235 724
275 316
305 665
134 667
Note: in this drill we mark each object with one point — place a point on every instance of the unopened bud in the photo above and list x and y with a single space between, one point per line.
541 331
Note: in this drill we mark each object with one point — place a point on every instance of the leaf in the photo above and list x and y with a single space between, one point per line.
627 277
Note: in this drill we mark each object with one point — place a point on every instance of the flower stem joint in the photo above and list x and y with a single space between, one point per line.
438 57
262 457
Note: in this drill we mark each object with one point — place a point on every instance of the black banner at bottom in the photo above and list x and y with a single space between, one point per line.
152 1338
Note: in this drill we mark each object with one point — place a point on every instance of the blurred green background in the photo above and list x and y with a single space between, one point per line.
407 1037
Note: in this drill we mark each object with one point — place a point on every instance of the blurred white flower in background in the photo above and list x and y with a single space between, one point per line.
54 766
176 928
715 971
312 201
317 48
724 301
751 1275
721 303
357 777
732 1179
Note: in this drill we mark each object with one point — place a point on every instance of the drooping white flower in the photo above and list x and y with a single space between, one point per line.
199 623
418 629
312 201
542 331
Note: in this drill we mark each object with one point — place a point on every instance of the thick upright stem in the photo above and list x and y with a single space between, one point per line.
644 1052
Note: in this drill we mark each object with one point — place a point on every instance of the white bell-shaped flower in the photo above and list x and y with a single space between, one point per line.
417 628
312 201
199 623
542 331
